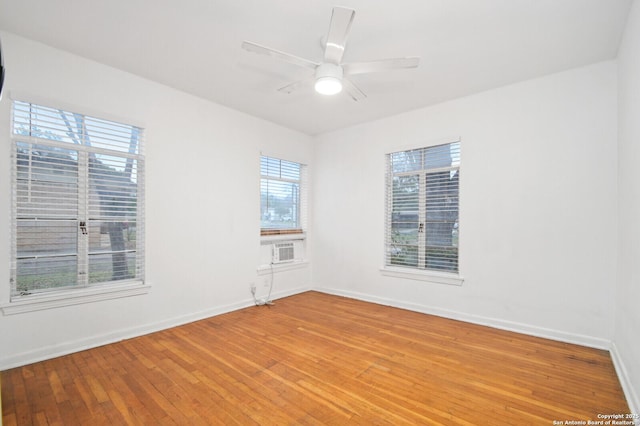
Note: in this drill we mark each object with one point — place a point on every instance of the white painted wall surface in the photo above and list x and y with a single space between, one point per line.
202 210
627 307
538 207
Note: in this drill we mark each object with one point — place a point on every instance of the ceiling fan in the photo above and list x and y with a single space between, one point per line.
331 74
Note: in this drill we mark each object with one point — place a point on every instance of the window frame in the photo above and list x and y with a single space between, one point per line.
85 292
301 203
419 272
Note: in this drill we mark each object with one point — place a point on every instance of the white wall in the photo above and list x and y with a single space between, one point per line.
202 210
539 203
538 207
627 310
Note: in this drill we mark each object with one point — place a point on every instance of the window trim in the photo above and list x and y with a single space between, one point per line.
419 274
73 295
284 237
423 275
298 232
76 296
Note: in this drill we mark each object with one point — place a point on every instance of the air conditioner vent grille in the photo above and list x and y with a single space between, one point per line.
283 252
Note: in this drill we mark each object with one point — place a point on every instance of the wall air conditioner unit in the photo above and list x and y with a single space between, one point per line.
283 252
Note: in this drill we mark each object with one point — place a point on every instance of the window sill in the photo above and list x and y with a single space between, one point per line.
423 275
282 237
40 301
281 267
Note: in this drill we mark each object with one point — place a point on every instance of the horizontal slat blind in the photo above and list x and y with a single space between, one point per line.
46 234
422 208
68 127
282 196
78 200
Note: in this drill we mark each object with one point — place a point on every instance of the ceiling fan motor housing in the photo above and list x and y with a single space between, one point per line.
328 78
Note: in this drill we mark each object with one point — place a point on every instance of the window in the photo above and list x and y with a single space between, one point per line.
422 208
282 194
78 201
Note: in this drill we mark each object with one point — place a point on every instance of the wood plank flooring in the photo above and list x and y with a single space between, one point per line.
318 359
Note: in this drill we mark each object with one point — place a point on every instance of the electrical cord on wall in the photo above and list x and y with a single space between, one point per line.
267 301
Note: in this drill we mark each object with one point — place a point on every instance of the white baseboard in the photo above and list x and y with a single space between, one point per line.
633 400
517 327
53 351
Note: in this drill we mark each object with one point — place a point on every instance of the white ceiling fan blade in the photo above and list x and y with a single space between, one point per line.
341 20
290 88
380 65
287 57
353 90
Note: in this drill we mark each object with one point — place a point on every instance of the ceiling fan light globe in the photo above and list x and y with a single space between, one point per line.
328 85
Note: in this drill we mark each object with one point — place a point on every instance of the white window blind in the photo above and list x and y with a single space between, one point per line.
422 208
282 196
78 200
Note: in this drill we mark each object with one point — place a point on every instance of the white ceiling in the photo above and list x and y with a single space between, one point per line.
466 46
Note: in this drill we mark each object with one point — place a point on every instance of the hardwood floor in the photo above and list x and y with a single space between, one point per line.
318 359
